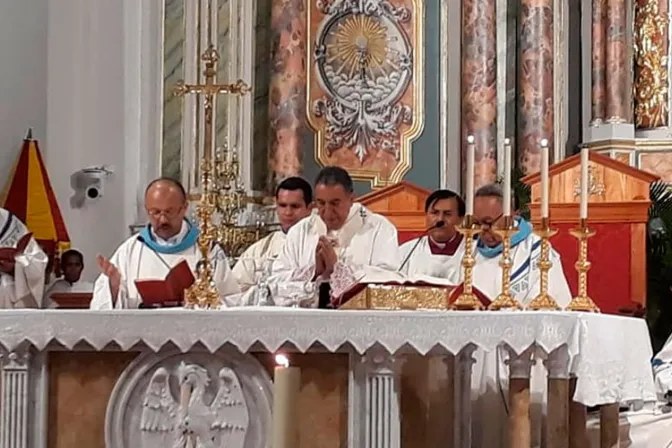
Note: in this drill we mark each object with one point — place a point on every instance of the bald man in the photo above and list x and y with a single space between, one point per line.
168 239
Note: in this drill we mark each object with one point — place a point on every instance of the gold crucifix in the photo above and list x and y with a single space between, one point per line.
203 293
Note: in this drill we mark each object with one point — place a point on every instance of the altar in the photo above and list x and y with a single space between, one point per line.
374 379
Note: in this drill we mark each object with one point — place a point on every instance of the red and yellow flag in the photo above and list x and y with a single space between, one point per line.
28 194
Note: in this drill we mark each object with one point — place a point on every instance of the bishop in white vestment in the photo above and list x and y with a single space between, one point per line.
162 244
22 276
490 373
339 244
293 201
439 253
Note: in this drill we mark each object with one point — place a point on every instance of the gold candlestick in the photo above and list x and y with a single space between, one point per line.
203 293
544 301
468 300
506 300
582 302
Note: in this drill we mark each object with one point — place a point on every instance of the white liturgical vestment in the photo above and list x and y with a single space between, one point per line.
250 264
426 261
137 261
367 241
25 288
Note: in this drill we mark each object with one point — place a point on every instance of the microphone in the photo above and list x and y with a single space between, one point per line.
438 225
158 255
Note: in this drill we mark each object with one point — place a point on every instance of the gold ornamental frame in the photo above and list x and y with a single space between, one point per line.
408 133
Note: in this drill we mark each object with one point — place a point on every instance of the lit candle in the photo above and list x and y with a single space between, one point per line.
583 207
544 178
286 384
470 175
507 177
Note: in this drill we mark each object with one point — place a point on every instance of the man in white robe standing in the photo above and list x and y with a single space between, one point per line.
21 275
168 239
490 373
439 253
293 202
339 244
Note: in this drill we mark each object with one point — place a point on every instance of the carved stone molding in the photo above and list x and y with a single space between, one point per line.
465 363
15 400
557 364
520 365
186 399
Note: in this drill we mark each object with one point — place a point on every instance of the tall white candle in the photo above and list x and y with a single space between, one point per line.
286 385
507 177
469 184
544 179
583 207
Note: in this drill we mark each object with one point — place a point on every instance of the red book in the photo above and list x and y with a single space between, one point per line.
169 290
72 300
9 253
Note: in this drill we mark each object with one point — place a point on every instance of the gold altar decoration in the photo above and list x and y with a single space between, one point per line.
544 301
582 302
399 297
651 86
468 300
506 300
203 293
365 90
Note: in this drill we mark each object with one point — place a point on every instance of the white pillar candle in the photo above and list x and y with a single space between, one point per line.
469 184
507 177
286 385
583 207
544 179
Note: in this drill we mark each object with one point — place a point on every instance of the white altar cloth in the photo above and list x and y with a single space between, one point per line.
610 355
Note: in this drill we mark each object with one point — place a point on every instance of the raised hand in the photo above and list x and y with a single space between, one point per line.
112 273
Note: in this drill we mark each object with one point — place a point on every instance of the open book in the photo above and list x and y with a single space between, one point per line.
11 252
169 290
72 300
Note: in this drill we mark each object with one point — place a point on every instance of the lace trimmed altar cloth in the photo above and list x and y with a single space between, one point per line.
609 355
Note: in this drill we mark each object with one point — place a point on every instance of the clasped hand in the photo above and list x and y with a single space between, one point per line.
325 257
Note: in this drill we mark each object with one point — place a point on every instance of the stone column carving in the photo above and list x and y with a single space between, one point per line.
520 366
374 400
557 426
287 88
618 63
465 362
536 82
479 85
15 401
598 62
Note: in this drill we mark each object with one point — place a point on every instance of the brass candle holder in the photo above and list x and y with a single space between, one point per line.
506 300
544 301
467 300
203 294
582 302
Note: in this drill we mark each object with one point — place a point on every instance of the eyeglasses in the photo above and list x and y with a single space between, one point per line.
487 225
168 214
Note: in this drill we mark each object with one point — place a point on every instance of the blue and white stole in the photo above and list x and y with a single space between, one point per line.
520 277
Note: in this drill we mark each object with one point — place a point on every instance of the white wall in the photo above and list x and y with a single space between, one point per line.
23 76
100 88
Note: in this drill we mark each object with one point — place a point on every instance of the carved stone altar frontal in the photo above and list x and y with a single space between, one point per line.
190 399
365 85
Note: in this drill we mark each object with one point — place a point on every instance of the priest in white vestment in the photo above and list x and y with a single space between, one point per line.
72 265
439 253
336 246
168 239
21 275
293 202
490 373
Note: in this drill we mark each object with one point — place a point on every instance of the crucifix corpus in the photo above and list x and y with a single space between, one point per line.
203 293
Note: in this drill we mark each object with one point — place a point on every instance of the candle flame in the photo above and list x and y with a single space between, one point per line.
544 142
507 141
281 360
470 139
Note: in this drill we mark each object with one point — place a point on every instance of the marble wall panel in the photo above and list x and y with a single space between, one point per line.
224 71
659 163
262 80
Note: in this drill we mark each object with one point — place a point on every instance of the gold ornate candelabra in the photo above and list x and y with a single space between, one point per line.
203 293
506 300
544 301
467 300
582 302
